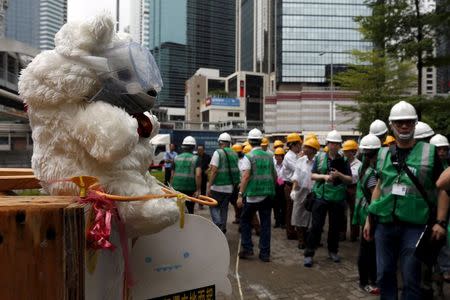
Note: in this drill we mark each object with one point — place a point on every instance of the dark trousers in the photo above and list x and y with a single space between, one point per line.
321 208
367 262
167 175
279 205
189 204
264 209
348 215
290 230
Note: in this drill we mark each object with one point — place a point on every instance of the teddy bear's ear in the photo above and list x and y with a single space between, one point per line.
85 38
102 28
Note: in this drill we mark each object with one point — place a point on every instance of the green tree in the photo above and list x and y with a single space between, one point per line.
379 80
404 29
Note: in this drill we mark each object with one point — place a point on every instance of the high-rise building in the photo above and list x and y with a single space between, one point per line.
255 36
187 35
314 35
139 21
35 22
211 31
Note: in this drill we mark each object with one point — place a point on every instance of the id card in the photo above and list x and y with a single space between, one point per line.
399 189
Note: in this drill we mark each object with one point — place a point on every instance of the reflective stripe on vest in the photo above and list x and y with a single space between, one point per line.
325 190
262 178
223 173
361 202
184 173
411 208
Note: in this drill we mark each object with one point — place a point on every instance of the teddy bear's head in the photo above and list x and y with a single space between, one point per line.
55 77
91 62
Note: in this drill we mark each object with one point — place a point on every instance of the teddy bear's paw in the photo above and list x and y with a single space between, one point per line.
144 218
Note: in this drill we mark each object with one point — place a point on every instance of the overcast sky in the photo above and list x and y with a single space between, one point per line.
85 9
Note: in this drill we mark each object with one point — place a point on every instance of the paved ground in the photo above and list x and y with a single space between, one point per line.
286 278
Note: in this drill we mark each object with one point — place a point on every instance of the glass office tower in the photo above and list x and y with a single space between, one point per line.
211 33
35 22
187 35
312 35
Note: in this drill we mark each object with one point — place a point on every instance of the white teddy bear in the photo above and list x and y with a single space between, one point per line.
78 131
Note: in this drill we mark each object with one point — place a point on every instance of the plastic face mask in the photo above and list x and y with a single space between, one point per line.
130 79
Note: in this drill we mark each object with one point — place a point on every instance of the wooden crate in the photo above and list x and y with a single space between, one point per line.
42 248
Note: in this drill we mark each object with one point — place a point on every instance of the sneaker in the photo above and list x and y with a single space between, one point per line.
264 258
373 290
245 254
334 257
308 262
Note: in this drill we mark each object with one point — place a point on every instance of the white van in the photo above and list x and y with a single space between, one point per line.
161 144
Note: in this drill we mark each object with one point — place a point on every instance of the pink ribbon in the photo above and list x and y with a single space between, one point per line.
99 234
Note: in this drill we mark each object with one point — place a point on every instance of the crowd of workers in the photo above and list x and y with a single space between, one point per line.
385 187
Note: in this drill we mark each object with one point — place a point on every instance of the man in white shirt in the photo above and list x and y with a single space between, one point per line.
279 204
302 186
294 143
258 185
224 176
350 148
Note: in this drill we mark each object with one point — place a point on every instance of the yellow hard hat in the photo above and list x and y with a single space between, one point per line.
279 151
349 145
237 147
389 140
310 135
325 149
246 143
278 143
247 149
313 143
264 141
293 137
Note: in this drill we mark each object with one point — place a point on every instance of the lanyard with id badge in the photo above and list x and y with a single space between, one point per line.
399 189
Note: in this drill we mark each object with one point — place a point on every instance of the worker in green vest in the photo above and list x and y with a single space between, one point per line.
401 202
367 180
258 187
442 146
331 173
223 180
187 172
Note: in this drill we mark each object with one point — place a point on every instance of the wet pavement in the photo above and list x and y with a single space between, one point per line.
285 277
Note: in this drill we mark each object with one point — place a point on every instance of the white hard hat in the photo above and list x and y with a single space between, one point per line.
255 134
378 127
370 141
224 137
423 130
189 141
334 136
439 141
402 111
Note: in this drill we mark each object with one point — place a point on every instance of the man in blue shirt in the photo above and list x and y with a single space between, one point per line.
169 157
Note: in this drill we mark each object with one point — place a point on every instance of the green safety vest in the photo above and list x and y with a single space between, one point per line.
262 174
184 173
363 198
325 190
411 208
227 166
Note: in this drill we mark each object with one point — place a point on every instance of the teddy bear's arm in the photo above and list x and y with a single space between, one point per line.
107 132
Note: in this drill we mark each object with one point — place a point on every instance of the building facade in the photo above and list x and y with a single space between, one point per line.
35 22
310 110
312 35
187 35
